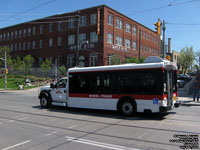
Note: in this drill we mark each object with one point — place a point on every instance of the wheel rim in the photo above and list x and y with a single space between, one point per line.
127 108
44 101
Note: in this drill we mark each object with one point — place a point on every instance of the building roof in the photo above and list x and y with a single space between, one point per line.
75 12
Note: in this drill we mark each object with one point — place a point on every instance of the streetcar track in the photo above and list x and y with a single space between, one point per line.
100 122
87 133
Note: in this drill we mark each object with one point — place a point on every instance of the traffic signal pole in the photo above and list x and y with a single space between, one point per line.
164 53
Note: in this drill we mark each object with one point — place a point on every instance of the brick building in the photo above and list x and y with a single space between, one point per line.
103 32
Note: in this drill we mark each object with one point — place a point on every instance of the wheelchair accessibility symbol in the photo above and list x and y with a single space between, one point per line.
155 101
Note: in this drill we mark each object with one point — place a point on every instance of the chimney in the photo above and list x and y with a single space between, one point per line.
169 45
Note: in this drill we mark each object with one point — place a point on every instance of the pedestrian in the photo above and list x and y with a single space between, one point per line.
196 89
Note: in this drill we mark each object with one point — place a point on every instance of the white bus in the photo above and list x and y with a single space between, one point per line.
129 88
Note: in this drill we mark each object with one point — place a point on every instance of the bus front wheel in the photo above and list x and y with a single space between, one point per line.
44 102
127 107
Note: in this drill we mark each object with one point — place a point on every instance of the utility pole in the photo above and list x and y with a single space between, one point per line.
77 53
5 63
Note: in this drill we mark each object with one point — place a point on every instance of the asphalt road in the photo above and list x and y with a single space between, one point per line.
25 126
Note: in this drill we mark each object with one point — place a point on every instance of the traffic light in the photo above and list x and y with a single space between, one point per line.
6 71
157 24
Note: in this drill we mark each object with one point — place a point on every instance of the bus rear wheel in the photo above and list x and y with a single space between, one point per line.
127 108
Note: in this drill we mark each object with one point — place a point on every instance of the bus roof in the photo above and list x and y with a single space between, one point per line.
122 67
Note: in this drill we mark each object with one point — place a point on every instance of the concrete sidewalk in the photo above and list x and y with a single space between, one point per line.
186 99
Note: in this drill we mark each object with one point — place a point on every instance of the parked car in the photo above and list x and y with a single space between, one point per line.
183 77
181 83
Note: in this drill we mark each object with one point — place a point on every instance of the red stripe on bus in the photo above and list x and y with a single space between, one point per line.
117 96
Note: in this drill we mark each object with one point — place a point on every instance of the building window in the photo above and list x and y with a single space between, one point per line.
59 26
29 31
141 33
50 42
11 47
93 37
24 46
93 18
1 37
119 40
20 46
144 48
128 27
93 59
15 46
110 38
33 30
134 45
20 33
16 34
24 34
82 37
144 35
12 34
147 36
50 27
119 23
71 23
8 36
82 21
33 45
110 20
70 61
59 41
134 30
140 47
41 29
41 43
29 45
71 39
128 43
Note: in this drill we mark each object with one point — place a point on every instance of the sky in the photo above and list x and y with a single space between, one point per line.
181 16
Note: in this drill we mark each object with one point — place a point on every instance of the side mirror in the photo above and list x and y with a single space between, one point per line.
52 85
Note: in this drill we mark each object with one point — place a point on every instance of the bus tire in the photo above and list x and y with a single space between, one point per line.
127 107
44 101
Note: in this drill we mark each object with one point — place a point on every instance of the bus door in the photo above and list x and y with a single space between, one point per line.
169 87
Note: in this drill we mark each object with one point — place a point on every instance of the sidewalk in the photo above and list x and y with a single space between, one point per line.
185 99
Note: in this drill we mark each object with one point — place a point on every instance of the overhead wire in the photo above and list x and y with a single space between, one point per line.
43 4
165 6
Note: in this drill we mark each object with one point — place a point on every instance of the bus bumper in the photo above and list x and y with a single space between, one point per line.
165 108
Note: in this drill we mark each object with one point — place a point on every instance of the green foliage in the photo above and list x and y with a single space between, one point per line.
2 55
28 63
13 81
186 58
115 60
46 66
63 71
18 64
134 60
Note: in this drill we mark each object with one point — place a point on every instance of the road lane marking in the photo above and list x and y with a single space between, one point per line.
23 118
49 134
72 126
99 144
10 147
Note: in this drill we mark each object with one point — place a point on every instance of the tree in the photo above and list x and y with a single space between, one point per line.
115 60
132 60
135 60
2 55
62 70
46 66
186 58
17 64
28 63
